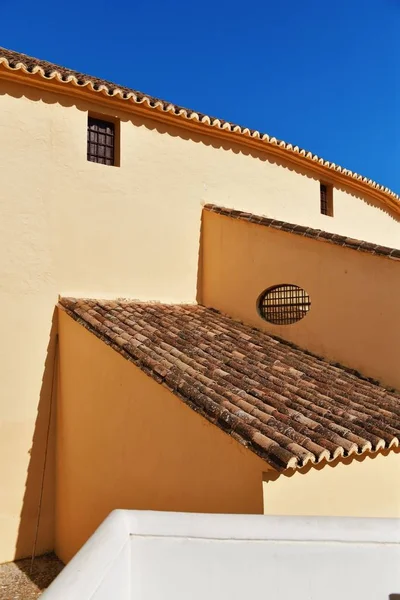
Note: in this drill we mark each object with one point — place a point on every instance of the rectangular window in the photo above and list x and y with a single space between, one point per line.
101 141
326 199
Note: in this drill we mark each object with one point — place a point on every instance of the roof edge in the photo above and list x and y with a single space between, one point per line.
308 232
168 112
295 464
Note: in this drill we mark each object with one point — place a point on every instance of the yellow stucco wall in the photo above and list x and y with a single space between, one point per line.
73 227
124 441
354 314
365 488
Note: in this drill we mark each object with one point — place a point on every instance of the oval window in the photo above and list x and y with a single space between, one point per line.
284 304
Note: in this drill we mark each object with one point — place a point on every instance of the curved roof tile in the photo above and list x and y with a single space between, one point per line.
289 407
304 231
16 61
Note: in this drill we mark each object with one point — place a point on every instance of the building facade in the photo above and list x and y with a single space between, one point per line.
130 229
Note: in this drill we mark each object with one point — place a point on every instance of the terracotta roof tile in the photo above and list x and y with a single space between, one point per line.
317 234
286 405
15 61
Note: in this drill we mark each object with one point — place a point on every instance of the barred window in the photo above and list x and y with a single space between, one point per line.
326 199
100 141
284 304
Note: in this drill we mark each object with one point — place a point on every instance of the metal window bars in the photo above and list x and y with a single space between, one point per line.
324 200
284 304
100 141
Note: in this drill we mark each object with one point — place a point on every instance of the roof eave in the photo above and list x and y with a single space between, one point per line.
324 170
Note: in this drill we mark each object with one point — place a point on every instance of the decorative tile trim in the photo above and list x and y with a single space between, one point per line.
15 61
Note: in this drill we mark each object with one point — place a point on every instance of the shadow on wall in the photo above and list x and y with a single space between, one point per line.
36 527
200 260
152 122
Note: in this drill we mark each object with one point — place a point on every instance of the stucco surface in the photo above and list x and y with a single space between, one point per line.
116 428
367 488
72 227
353 318
125 441
147 555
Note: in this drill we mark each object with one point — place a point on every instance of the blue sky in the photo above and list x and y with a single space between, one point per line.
322 75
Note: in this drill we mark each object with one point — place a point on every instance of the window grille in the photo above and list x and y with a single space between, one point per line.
284 304
100 141
326 200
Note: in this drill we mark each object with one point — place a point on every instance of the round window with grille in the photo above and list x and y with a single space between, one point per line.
284 304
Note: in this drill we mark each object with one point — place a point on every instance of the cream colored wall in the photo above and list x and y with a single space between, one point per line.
125 441
73 227
354 314
366 488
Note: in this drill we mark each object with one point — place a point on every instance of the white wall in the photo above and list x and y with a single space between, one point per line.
176 556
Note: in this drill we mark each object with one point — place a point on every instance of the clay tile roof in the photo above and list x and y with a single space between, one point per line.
316 234
286 405
16 61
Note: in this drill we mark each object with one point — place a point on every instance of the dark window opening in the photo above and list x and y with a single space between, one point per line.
326 199
101 141
284 304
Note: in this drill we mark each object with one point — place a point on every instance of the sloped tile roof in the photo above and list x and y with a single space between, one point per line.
284 404
16 61
316 234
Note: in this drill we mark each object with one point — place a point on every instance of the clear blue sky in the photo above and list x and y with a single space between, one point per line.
322 75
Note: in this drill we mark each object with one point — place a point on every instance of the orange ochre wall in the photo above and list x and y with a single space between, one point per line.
354 317
125 441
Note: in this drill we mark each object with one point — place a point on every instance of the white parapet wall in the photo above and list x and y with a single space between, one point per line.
143 555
